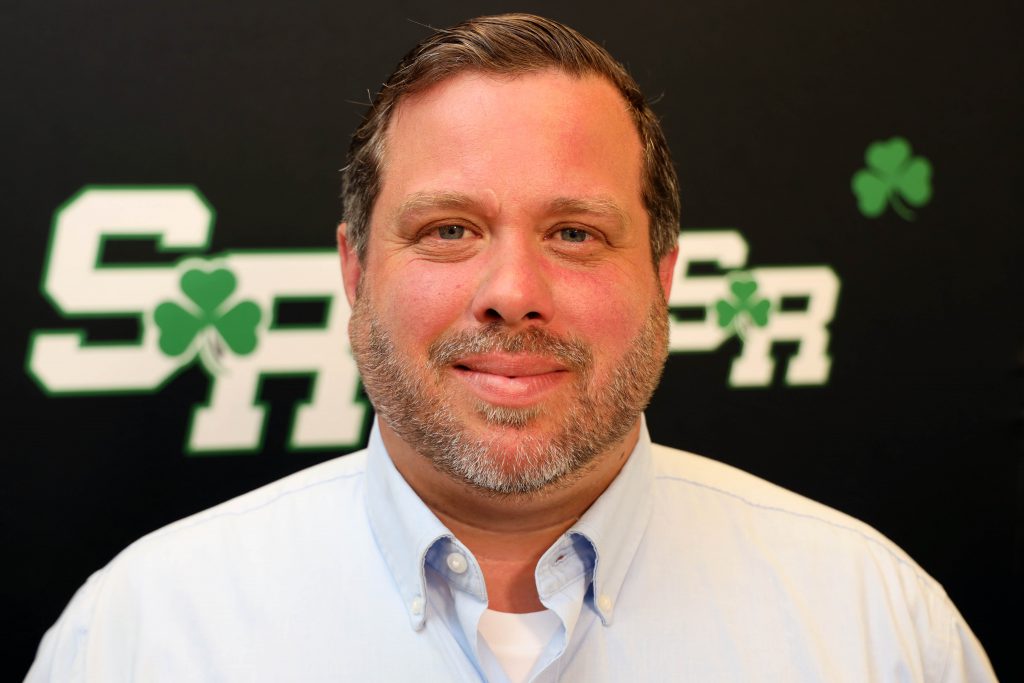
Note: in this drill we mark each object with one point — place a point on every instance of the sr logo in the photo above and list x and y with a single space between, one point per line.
222 312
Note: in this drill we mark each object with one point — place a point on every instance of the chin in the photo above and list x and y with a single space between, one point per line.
498 417
509 451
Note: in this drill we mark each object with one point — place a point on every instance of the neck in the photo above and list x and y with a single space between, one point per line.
508 533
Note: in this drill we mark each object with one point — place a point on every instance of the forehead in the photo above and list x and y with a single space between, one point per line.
519 137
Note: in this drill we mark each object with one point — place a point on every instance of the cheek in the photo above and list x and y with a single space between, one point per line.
606 312
419 303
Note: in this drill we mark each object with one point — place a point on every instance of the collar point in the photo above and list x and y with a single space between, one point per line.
603 605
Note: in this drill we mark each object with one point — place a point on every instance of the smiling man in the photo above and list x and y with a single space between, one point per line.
511 219
507 320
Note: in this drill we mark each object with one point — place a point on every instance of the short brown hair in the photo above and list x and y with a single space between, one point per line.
506 44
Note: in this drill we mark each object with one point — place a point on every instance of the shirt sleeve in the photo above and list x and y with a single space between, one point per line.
61 654
966 661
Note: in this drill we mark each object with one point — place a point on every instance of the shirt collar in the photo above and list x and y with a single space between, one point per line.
404 527
612 528
600 545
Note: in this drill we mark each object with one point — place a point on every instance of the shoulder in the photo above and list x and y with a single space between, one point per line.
794 561
719 487
792 550
330 482
278 514
197 575
271 526
735 516
285 518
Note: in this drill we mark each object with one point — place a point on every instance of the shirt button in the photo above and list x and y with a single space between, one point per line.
604 603
416 606
457 563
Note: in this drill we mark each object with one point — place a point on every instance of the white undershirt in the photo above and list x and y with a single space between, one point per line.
516 640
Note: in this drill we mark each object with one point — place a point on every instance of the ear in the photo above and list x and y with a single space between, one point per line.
666 268
351 268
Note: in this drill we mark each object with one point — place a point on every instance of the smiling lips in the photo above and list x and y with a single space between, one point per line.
514 380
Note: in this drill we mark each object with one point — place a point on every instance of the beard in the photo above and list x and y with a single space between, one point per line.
419 405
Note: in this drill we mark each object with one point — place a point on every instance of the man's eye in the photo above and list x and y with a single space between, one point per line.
573 235
451 232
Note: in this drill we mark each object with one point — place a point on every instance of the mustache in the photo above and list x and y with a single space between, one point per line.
571 352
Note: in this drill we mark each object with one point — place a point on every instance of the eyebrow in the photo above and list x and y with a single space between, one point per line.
600 206
421 201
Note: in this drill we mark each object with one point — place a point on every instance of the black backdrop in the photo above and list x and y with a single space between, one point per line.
769 108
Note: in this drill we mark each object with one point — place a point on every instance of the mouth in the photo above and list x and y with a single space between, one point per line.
514 380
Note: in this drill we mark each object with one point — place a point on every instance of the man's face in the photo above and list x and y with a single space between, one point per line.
507 320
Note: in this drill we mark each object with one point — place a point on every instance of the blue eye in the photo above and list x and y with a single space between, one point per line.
451 232
573 235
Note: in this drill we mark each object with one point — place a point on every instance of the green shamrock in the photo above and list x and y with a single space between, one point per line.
179 326
892 176
744 308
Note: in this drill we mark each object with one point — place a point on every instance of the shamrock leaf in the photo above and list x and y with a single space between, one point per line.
744 308
208 290
238 327
180 327
893 176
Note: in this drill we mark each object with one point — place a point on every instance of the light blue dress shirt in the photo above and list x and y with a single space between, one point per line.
683 570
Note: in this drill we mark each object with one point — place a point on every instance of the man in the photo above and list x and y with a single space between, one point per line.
511 212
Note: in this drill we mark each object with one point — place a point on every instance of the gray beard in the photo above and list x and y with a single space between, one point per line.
418 407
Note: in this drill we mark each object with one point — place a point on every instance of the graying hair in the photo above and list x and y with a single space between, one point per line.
506 44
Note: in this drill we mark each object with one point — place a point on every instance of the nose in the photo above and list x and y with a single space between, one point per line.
515 287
